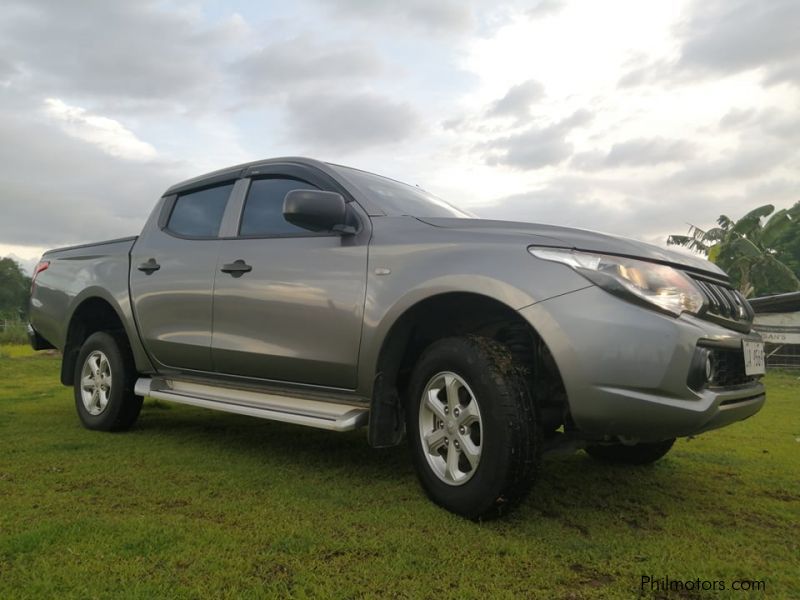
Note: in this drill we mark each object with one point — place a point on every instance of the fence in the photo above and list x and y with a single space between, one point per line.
782 356
778 322
13 331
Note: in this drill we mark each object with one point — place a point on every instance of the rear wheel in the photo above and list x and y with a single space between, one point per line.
637 454
472 426
104 380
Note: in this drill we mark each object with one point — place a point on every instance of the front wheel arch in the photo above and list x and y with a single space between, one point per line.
458 314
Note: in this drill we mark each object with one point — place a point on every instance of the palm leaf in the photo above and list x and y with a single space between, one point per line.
725 222
679 240
775 226
696 240
716 234
687 241
751 222
771 276
744 248
786 274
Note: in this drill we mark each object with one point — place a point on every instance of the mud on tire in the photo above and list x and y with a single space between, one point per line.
508 438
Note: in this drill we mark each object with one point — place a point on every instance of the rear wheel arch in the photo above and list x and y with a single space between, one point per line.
446 315
93 314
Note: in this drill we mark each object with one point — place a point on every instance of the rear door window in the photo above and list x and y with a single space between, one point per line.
263 209
199 214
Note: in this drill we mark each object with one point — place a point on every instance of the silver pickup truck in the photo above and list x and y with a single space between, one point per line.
320 295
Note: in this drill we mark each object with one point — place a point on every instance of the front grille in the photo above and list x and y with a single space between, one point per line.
725 305
727 368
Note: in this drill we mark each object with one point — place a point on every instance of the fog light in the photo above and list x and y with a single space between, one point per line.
709 369
701 369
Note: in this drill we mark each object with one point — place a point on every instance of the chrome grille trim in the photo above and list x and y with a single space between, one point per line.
724 304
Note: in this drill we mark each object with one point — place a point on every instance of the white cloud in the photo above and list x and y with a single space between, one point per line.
468 98
107 134
517 100
442 16
652 153
350 121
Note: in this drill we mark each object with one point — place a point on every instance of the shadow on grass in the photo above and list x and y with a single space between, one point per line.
576 491
289 444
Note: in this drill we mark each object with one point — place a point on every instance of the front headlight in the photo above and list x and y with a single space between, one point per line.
660 285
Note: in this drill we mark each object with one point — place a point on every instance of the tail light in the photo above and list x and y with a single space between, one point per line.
41 266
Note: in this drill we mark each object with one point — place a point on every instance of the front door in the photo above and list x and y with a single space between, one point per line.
288 303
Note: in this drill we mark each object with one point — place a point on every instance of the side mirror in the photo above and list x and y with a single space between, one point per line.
316 210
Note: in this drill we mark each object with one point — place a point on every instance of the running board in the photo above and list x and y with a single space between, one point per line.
275 407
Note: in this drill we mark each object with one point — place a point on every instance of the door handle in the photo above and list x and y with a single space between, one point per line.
237 268
148 267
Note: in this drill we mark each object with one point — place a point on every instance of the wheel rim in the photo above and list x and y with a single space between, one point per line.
450 428
96 382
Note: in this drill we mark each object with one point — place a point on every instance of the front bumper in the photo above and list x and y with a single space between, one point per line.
626 368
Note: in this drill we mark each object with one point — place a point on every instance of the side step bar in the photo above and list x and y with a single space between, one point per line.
275 407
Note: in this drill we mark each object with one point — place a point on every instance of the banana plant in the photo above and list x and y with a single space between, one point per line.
750 249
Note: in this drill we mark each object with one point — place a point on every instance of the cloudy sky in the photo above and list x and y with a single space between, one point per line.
623 116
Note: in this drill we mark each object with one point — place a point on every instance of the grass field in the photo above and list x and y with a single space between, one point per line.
193 504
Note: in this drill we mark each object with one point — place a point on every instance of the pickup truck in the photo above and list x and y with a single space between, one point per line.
321 295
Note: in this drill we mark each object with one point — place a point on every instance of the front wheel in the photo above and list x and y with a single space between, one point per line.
104 380
473 429
637 454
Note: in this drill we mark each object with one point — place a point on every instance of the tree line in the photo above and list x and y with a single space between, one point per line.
14 290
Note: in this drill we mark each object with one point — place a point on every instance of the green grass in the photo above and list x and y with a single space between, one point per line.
15 351
192 503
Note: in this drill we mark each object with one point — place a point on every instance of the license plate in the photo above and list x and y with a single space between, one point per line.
753 358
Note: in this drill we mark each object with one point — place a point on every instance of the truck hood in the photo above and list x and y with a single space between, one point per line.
583 239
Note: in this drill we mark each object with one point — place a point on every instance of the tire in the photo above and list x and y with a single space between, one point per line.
638 454
507 437
105 404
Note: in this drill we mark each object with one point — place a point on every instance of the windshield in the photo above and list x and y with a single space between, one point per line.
397 198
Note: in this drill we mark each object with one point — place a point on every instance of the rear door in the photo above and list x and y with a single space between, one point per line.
296 314
173 265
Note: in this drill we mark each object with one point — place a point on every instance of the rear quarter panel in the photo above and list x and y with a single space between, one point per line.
77 274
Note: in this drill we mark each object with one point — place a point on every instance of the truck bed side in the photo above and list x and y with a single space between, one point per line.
84 278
